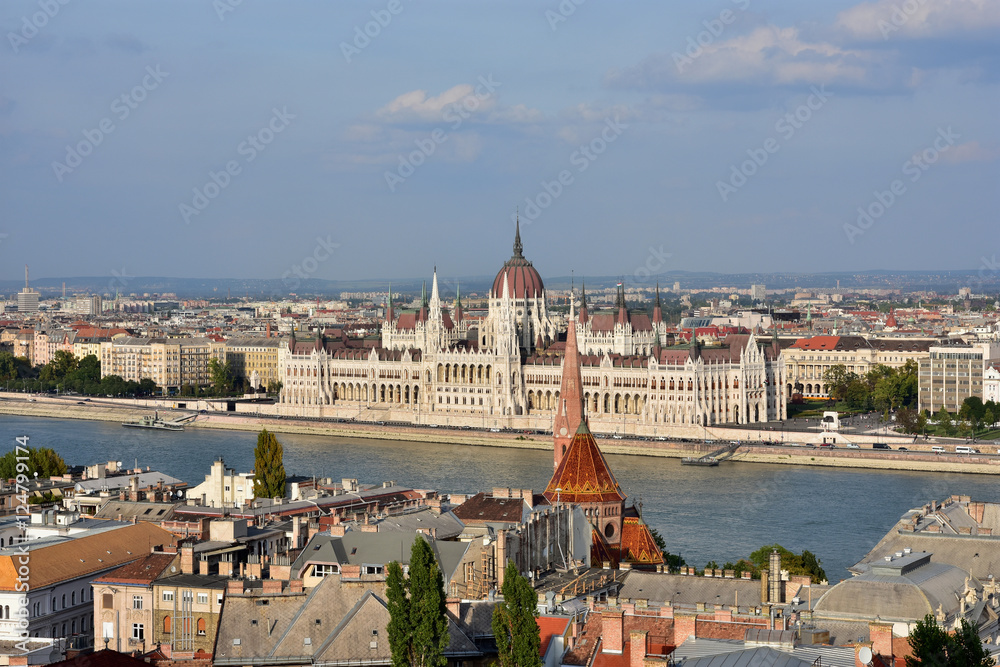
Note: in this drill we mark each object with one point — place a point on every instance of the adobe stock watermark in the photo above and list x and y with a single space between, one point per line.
363 35
713 30
455 114
119 280
31 25
223 7
581 159
899 16
294 277
122 107
786 127
562 12
248 149
655 264
915 167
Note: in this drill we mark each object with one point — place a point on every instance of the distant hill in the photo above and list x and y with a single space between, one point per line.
943 282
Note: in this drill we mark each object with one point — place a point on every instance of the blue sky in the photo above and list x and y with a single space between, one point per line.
201 139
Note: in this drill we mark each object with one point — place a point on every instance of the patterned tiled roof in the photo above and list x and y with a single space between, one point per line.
584 476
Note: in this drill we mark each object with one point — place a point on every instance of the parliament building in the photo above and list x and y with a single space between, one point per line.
433 365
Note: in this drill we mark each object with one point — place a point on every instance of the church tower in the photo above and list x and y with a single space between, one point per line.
569 411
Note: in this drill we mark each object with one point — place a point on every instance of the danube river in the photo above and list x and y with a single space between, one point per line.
720 513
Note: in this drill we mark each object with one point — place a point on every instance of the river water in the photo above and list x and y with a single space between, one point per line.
704 514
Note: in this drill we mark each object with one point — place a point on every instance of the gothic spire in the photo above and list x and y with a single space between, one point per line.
518 248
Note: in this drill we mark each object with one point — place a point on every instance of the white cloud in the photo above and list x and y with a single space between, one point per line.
417 106
768 55
970 151
916 19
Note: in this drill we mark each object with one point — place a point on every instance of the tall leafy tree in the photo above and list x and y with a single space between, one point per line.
398 603
514 626
932 645
269 466
418 624
41 460
222 375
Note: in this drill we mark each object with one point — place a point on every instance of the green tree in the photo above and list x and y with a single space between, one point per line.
944 422
222 376
418 622
803 564
932 645
41 460
8 367
907 420
514 626
837 379
399 615
269 467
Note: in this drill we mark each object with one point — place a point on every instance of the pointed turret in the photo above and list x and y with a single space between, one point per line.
657 345
622 308
435 297
518 248
657 309
583 304
389 314
569 411
695 346
458 304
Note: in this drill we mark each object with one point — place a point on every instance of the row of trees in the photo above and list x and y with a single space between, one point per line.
882 388
418 624
972 417
67 373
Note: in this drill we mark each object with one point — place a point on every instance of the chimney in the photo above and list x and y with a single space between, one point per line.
612 627
454 607
296 532
271 587
775 588
881 636
637 648
858 661
203 566
295 586
234 587
685 625
313 529
187 559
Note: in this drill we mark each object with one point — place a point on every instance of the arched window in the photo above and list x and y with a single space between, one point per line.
201 627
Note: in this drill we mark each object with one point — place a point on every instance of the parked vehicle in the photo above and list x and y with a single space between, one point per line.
937 449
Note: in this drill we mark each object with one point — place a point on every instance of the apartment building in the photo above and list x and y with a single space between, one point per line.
169 362
255 359
953 373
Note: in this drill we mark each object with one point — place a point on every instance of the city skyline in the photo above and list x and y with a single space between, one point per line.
236 140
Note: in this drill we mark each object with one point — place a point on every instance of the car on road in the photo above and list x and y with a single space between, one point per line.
880 445
80 403
851 445
902 449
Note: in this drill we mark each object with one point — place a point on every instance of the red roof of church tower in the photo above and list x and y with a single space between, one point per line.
569 411
584 476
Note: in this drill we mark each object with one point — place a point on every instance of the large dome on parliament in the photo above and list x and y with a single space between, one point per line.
523 280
